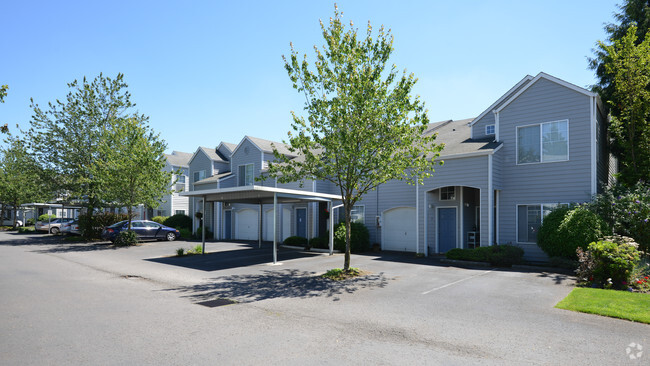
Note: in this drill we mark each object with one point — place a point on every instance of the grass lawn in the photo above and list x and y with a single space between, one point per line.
617 304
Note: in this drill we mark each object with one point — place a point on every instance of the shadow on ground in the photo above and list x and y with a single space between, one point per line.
288 283
243 256
558 278
45 243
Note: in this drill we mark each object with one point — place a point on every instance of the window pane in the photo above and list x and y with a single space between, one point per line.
528 145
357 214
249 174
242 175
522 224
534 221
555 143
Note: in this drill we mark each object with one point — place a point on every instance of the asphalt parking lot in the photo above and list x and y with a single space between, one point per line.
96 304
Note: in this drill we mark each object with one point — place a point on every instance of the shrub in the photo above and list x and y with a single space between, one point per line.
297 241
126 238
159 219
564 230
180 252
198 249
613 263
497 255
640 277
359 240
627 211
185 233
46 217
179 221
91 226
319 242
30 222
199 233
26 229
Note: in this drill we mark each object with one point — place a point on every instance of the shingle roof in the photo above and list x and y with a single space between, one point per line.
456 137
179 158
213 179
212 154
267 146
229 145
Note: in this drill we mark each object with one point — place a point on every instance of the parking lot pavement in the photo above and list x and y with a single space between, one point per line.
81 304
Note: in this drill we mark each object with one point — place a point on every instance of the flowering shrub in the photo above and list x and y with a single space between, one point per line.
640 278
607 264
627 211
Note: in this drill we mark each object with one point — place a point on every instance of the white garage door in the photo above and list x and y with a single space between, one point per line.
268 225
246 224
286 223
398 229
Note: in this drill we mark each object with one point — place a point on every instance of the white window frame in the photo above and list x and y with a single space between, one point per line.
362 220
487 127
541 220
541 143
252 177
448 199
201 175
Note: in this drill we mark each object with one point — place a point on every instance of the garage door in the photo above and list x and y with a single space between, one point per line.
398 229
268 225
246 224
286 223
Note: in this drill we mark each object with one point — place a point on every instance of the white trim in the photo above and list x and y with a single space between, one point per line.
498 193
426 223
541 143
504 96
490 189
237 221
548 77
470 155
315 206
497 127
364 212
462 216
238 173
437 218
594 166
440 194
417 217
487 133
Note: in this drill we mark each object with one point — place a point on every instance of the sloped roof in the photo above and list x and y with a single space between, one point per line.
456 137
210 153
213 179
267 146
229 145
179 158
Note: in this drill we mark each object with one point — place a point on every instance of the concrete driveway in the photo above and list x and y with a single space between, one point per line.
95 304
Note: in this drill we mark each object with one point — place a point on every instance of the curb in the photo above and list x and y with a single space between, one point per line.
465 263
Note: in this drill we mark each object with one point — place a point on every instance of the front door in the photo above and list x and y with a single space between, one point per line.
446 229
227 225
301 222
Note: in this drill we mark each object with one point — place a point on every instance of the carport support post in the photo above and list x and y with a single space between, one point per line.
275 240
203 227
330 207
259 228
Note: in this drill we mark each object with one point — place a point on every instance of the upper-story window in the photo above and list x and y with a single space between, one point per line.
543 143
199 175
489 130
180 179
357 214
447 193
246 175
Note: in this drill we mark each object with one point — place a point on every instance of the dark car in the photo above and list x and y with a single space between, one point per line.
145 229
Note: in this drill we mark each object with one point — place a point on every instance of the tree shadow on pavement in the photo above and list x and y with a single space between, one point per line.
557 277
44 243
288 283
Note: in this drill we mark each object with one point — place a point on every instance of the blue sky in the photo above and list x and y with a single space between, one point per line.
212 71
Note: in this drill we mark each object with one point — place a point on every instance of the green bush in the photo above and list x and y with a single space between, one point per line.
179 221
180 252
46 217
564 230
319 242
297 241
126 238
91 226
159 219
497 255
26 229
359 240
30 222
199 233
185 233
608 264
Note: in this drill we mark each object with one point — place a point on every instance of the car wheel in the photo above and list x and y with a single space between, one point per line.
55 230
170 236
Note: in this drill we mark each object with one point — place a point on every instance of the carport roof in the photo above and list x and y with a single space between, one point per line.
260 194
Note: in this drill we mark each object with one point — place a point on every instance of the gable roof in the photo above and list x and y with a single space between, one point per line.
550 78
266 146
496 104
227 145
213 179
210 153
179 158
456 137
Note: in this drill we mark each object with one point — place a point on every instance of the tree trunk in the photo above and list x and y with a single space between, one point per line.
348 237
15 216
129 211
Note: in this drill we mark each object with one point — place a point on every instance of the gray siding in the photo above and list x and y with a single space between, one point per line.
478 129
200 162
224 151
180 202
221 167
247 153
567 181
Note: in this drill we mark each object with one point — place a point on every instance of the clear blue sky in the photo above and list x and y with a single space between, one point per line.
212 71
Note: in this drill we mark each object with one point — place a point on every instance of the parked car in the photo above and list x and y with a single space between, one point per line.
145 229
71 227
53 226
19 223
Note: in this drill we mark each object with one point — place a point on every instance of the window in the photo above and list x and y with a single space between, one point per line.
358 214
543 143
489 130
179 212
530 218
246 175
199 175
447 193
181 179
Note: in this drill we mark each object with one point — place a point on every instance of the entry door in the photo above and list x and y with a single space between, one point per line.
301 222
446 229
228 225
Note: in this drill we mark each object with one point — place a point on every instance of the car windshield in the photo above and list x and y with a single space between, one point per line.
118 224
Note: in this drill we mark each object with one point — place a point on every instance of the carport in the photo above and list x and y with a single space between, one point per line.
261 195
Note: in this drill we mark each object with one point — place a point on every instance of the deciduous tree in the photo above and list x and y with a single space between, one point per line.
363 126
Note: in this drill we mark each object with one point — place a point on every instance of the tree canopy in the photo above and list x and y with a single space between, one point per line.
3 93
363 126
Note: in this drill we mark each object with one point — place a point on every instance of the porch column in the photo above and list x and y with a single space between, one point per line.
275 236
259 228
490 199
203 227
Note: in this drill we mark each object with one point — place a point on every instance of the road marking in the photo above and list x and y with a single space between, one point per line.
455 282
